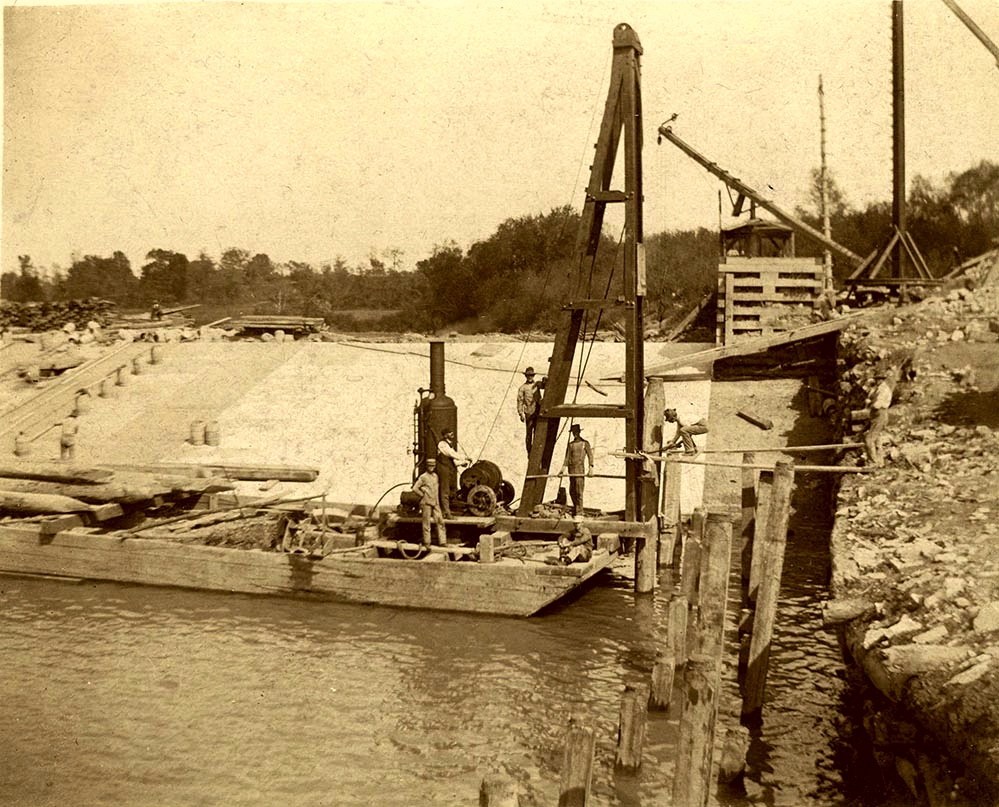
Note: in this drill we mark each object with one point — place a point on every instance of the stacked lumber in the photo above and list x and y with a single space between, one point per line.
277 322
51 316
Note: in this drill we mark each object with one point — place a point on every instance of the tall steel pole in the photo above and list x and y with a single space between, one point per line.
898 138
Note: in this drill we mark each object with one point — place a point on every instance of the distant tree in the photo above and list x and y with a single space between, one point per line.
106 278
164 277
974 196
448 281
23 286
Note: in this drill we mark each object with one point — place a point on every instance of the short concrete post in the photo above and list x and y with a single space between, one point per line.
697 728
631 729
122 376
106 388
137 365
155 354
772 564
498 790
81 404
577 766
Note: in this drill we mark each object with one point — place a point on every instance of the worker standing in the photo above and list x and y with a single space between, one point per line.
529 404
880 401
577 454
684 432
448 462
67 439
427 485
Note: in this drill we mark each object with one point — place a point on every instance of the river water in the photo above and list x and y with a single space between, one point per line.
116 695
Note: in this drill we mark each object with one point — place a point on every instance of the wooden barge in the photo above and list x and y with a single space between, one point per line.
499 576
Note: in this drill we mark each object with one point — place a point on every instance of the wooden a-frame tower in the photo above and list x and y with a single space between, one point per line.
622 122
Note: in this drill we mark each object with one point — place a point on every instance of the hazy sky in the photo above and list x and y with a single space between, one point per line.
314 130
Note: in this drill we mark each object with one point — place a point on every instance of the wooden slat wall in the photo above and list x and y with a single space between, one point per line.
765 296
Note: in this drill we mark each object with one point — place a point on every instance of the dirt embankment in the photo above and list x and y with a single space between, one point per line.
916 544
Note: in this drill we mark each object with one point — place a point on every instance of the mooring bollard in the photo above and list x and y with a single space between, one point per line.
498 790
198 433
771 567
22 445
577 766
81 404
631 728
697 728
213 433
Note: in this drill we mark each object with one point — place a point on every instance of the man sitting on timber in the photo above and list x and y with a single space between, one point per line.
684 432
577 454
427 486
448 462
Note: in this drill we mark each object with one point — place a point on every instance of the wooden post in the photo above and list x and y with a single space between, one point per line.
748 525
122 376
774 540
673 472
676 636
697 727
155 354
631 730
647 549
577 766
137 365
745 637
498 790
764 494
663 673
690 568
716 555
106 388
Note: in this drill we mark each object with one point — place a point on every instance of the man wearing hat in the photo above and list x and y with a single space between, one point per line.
880 401
448 462
427 486
577 454
529 404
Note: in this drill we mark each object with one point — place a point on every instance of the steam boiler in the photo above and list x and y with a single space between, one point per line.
481 485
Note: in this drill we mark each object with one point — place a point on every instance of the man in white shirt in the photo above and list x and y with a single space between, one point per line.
880 402
448 462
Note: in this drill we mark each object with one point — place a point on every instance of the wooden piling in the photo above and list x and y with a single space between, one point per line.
577 766
631 729
690 567
498 790
691 784
676 635
747 528
663 674
671 515
647 549
774 542
716 555
764 494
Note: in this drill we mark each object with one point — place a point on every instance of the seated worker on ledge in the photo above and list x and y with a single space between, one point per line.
684 432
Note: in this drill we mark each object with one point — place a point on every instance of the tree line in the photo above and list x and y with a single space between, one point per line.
513 281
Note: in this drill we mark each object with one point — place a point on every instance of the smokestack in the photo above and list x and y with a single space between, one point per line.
437 368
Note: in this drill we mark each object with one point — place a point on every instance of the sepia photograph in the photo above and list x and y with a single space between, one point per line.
441 402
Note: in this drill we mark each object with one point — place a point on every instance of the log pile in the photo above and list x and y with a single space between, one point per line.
35 489
54 315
